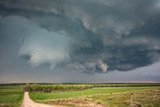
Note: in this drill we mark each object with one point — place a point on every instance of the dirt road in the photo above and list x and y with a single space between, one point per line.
27 102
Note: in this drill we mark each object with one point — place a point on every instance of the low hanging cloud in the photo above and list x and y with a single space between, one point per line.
44 47
88 35
88 67
103 66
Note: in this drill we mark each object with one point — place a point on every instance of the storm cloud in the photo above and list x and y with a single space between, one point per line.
87 36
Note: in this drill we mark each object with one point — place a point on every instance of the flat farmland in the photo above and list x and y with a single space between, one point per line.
148 96
82 95
11 95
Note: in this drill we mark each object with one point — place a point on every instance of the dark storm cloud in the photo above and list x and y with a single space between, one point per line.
88 35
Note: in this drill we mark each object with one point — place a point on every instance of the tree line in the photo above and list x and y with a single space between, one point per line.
76 87
57 87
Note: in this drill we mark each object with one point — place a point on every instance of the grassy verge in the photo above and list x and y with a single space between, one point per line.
11 95
106 96
149 97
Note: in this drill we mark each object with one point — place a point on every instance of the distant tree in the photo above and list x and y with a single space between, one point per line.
27 87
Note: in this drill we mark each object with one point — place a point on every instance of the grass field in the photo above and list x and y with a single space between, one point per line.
105 96
11 95
99 95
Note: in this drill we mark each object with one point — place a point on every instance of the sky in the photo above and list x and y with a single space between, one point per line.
88 41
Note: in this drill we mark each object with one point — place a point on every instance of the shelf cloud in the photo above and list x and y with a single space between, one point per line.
87 36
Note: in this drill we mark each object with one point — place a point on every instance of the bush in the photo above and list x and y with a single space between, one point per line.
99 101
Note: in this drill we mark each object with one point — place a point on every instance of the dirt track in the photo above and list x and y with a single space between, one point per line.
27 102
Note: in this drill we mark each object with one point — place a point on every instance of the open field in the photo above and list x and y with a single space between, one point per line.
83 95
11 95
148 96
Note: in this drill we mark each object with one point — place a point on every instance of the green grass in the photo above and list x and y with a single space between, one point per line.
107 96
11 95
149 97
40 96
